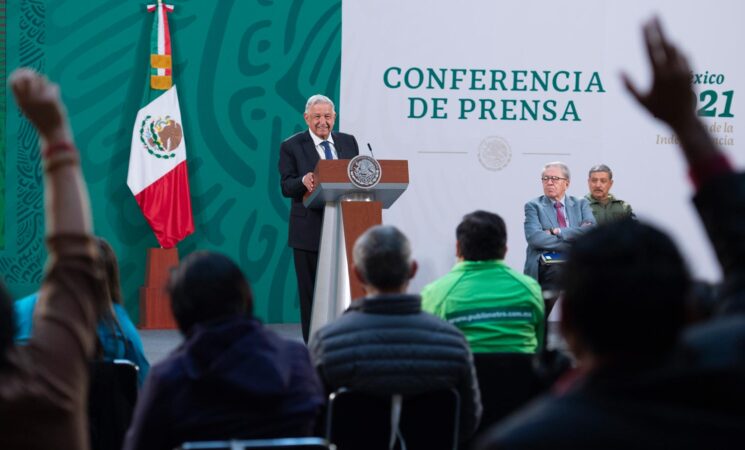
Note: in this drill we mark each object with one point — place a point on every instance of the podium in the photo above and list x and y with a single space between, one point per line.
349 210
155 304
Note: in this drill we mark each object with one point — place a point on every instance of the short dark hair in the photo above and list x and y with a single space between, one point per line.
382 256
626 288
207 286
7 325
481 236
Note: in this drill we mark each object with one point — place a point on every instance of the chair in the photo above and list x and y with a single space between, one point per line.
111 402
507 381
302 443
359 421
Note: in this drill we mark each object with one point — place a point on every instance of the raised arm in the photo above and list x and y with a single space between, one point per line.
671 98
721 194
66 197
73 288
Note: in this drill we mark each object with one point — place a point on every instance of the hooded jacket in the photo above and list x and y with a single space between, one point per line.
230 379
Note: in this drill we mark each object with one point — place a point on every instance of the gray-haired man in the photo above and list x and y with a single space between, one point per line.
298 156
553 221
385 344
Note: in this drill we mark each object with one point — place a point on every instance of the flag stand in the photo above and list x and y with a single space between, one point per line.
155 305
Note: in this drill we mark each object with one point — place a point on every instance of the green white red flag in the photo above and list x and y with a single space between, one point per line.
157 173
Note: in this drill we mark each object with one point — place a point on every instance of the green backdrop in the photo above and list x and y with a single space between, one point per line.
243 69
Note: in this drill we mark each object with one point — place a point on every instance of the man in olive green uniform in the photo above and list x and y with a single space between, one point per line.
605 207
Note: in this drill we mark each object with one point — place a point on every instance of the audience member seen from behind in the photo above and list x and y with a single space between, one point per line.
232 378
617 335
385 344
43 385
719 199
117 335
498 309
605 206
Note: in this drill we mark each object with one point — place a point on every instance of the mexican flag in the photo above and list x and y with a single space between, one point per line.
157 174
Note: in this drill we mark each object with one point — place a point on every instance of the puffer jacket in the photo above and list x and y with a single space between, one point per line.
388 345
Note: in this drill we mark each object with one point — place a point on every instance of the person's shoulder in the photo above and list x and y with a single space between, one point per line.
528 282
122 315
443 283
580 202
292 346
298 137
624 204
171 370
715 343
572 198
341 325
548 418
536 201
343 135
438 327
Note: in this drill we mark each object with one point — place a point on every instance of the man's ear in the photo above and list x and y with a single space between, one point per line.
358 274
458 253
413 268
360 278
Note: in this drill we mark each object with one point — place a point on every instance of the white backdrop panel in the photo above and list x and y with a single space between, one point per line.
448 178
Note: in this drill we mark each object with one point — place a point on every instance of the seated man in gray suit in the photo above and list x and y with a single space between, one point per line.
553 220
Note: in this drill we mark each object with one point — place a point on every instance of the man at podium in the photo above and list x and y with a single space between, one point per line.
298 156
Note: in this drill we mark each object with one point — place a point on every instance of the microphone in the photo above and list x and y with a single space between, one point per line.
371 152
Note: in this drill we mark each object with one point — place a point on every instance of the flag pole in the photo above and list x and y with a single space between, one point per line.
158 175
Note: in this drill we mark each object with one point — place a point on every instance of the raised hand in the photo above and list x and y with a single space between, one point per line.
39 100
671 97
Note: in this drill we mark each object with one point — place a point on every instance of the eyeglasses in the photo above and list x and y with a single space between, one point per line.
546 179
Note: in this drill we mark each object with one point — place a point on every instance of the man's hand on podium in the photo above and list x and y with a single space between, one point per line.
309 181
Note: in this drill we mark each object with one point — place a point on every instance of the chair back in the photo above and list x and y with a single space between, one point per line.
111 402
301 443
360 421
507 381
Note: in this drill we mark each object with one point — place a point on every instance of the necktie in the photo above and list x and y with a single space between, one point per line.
560 215
327 150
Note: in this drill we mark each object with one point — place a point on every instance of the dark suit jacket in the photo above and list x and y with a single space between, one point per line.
298 156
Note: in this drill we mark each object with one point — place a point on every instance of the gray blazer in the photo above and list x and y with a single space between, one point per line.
540 215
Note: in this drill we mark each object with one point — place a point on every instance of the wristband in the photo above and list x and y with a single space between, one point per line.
57 147
59 159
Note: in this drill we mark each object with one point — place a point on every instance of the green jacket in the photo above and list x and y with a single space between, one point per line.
498 309
613 210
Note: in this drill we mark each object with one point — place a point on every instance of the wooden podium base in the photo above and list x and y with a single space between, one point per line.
155 305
